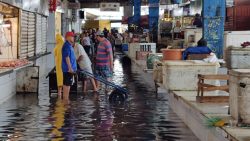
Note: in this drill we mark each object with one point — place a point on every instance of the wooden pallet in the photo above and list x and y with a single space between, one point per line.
212 99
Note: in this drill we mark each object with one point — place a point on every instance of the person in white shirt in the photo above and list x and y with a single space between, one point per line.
177 30
84 64
86 43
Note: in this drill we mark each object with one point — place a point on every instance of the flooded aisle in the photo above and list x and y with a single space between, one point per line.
90 117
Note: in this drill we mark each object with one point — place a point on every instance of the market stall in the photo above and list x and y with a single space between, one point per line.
12 54
9 37
9 17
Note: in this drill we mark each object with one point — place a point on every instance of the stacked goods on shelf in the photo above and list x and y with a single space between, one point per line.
13 63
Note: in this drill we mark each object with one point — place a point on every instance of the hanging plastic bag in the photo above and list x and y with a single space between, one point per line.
212 58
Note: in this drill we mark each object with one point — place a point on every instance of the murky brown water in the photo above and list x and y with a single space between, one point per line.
144 117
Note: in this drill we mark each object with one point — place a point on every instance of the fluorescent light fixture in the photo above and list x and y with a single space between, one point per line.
106 15
116 24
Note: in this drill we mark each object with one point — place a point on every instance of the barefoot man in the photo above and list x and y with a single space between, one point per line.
69 65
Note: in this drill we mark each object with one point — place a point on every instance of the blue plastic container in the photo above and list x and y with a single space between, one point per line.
124 47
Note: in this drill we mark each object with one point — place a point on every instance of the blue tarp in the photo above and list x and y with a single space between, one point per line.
195 50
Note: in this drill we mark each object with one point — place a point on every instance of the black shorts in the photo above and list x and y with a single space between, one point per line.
68 79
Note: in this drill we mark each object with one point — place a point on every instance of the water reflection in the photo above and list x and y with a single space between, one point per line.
58 120
91 118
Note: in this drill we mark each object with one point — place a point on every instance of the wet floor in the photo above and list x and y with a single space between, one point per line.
144 117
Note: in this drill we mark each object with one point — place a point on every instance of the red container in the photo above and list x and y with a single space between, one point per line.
172 54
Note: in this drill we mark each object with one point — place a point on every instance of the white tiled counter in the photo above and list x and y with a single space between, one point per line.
12 78
7 84
238 58
239 85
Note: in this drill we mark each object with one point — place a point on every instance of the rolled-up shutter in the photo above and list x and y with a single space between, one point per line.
41 34
38 34
44 34
31 34
23 50
27 40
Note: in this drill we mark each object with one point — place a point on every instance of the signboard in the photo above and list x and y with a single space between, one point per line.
110 6
74 5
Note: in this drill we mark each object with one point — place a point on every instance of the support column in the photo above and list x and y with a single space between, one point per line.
51 32
51 41
65 19
154 18
213 24
128 11
137 12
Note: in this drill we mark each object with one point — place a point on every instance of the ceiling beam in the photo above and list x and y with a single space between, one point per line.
95 3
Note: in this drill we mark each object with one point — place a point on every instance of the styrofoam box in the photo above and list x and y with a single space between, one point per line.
183 75
239 88
238 58
235 38
133 47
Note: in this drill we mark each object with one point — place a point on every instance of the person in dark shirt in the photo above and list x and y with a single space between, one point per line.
69 65
201 48
106 32
197 21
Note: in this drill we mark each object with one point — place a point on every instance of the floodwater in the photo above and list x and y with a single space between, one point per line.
144 117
